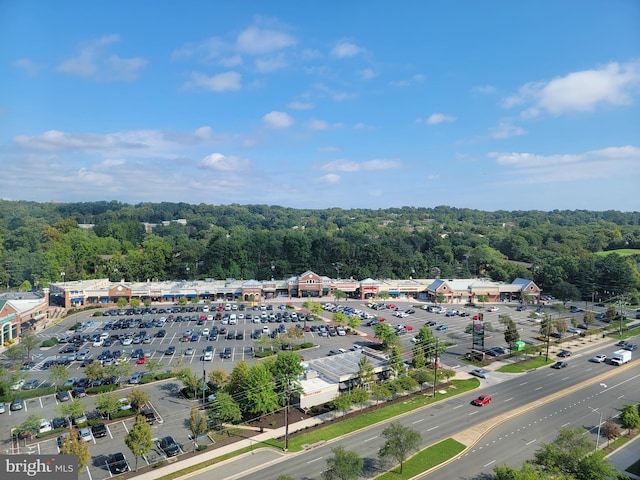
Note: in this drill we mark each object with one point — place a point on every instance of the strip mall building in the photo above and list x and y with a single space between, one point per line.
307 285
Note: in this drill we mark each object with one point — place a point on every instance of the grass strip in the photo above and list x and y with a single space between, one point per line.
522 367
343 427
425 459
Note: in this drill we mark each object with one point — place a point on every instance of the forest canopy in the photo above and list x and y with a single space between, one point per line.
559 250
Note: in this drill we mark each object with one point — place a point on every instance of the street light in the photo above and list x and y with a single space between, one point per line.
62 274
337 266
595 410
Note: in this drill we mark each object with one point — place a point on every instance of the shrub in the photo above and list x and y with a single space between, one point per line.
99 313
50 342
306 345
75 327
200 448
101 389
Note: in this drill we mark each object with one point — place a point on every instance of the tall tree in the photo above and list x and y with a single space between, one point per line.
400 442
197 425
511 334
224 409
260 395
72 445
365 372
139 439
630 417
343 465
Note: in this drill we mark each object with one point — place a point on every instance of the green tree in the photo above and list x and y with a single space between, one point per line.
94 370
343 403
395 362
354 321
261 397
527 472
197 425
339 318
366 375
73 409
218 377
564 453
15 352
193 383
238 379
122 302
630 417
589 318
339 294
58 374
386 335
418 360
343 465
224 409
381 391
31 424
153 366
359 396
400 442
29 342
511 334
562 326
139 439
107 403
138 397
286 372
72 445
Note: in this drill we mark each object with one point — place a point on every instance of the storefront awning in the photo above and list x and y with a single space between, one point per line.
168 295
77 299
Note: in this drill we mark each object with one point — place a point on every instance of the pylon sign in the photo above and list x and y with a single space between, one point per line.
478 336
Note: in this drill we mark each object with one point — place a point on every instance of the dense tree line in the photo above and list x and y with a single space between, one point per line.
41 240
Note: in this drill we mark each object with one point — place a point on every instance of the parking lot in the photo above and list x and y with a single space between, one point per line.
184 343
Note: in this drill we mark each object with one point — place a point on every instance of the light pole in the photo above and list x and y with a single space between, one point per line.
595 410
62 274
337 266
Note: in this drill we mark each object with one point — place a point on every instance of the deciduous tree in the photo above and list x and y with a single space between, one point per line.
139 439
343 465
400 442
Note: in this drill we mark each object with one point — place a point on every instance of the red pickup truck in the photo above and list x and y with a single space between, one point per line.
482 400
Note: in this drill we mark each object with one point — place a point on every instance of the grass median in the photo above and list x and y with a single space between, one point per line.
526 365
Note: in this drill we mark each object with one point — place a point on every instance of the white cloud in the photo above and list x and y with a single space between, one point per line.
334 94
415 79
345 49
329 149
93 61
329 178
506 130
583 91
256 41
231 61
323 125
278 120
369 165
222 82
266 65
311 54
437 118
605 163
368 74
433 176
27 66
134 141
300 106
483 89
218 161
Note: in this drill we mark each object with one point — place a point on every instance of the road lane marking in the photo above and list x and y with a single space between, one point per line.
418 421
568 423
491 462
532 441
523 383
472 413
539 388
457 407
369 439
315 460
432 428
508 399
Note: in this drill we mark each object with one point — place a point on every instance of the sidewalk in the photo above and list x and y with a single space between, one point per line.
626 456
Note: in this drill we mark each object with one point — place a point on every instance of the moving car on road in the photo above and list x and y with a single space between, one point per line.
479 372
599 358
559 365
481 401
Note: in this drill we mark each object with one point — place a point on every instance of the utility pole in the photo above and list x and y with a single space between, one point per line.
595 410
435 369
286 416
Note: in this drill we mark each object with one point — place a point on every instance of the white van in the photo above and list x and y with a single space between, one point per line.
233 319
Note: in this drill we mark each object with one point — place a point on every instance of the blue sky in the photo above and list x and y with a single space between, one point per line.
491 105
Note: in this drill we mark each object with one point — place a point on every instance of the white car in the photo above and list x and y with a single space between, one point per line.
205 332
493 309
45 426
208 356
18 385
599 358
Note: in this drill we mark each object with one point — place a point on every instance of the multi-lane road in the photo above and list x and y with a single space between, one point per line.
511 442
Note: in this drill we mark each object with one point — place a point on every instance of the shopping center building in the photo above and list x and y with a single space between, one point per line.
306 285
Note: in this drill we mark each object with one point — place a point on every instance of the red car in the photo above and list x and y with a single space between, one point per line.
481 401
476 317
141 361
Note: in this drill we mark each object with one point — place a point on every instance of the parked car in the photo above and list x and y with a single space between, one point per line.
442 327
99 430
59 422
2 407
564 353
61 439
85 434
31 384
117 463
135 378
63 396
169 446
226 353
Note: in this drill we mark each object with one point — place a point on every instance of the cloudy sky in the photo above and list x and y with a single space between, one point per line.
359 104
